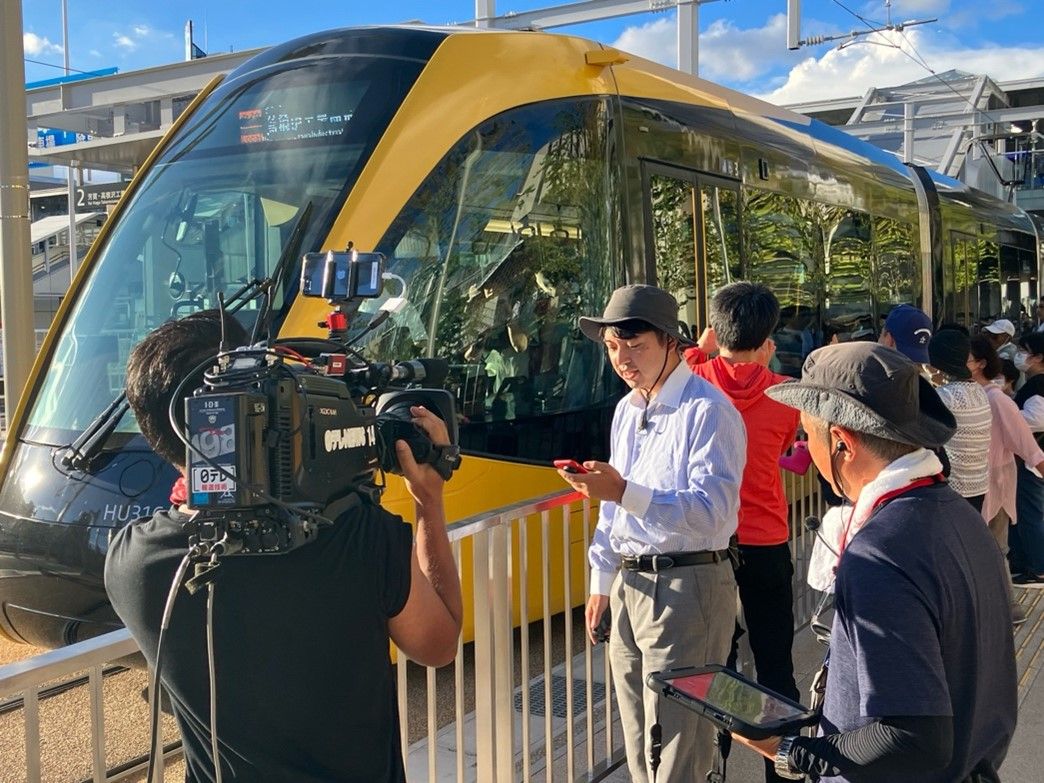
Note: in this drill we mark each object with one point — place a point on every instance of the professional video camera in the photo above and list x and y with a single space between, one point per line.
285 435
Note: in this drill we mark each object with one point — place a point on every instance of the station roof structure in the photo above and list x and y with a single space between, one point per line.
125 114
965 125
968 126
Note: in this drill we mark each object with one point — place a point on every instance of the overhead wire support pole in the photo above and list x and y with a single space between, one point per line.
16 283
594 10
74 259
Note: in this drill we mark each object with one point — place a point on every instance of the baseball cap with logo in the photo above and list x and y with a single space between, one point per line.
1001 326
911 329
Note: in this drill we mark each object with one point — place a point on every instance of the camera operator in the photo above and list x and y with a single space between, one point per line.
304 683
921 684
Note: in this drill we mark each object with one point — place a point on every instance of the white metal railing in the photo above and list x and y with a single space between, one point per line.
522 562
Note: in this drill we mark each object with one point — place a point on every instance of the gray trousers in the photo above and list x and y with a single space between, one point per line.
680 617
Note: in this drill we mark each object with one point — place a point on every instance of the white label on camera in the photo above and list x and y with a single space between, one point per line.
346 438
208 479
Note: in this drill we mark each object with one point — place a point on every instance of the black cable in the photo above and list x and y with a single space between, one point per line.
211 669
52 65
919 60
154 686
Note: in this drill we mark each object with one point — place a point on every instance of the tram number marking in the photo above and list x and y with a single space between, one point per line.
207 479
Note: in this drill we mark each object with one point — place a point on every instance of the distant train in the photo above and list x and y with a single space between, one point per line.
512 180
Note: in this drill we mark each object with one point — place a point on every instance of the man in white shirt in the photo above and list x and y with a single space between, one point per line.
670 504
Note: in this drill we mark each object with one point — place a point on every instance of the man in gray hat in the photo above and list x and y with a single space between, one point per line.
921 684
670 503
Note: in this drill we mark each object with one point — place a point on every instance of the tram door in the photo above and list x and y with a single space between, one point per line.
691 238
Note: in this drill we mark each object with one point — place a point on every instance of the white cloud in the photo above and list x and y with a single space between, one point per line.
902 7
35 45
653 41
140 35
727 52
124 42
877 63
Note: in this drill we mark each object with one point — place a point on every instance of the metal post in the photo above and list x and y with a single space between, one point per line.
689 36
484 11
74 260
16 284
908 132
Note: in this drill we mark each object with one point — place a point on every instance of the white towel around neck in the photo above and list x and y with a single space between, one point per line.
909 467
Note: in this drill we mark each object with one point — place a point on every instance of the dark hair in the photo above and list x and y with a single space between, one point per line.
982 349
954 327
157 366
743 315
1033 342
628 330
1010 371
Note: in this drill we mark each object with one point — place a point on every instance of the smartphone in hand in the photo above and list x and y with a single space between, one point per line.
570 466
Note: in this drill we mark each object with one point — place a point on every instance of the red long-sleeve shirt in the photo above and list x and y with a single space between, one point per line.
771 427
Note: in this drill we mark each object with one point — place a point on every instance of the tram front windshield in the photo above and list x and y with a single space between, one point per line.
215 212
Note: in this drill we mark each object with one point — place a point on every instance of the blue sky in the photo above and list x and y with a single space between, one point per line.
742 42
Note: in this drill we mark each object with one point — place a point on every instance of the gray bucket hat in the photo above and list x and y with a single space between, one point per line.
869 388
637 302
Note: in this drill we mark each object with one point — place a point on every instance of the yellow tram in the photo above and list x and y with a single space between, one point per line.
512 180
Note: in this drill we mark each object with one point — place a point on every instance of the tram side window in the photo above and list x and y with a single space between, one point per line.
784 241
504 245
872 266
721 239
971 281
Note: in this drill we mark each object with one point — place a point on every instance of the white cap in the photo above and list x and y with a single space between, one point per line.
1001 326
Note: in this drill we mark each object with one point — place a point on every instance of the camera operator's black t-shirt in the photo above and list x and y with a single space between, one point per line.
305 685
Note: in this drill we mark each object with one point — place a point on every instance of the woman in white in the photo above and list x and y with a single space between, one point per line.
968 449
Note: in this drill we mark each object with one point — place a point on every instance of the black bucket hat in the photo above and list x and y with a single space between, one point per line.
637 302
948 351
869 388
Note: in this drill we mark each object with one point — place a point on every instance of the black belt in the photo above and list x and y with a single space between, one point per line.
656 563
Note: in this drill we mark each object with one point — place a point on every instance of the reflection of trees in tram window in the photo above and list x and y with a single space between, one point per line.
674 241
503 246
721 237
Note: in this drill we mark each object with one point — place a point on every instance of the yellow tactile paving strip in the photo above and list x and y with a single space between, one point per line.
1029 639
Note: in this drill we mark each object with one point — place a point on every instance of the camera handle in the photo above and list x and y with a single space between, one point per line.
722 747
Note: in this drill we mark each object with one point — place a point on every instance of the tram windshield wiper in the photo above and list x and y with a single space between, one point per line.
81 452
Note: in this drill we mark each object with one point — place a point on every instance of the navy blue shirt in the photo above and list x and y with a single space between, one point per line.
923 628
305 685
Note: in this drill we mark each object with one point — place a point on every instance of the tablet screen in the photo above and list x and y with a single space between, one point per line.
736 697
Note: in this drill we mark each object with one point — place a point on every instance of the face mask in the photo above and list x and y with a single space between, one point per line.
1020 361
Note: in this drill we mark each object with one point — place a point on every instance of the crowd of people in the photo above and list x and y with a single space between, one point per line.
925 442
928 447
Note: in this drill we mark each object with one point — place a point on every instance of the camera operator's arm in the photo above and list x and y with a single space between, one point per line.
428 627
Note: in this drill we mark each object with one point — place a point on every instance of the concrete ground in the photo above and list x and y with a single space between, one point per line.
66 741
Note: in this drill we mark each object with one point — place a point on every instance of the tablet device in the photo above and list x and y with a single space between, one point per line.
732 702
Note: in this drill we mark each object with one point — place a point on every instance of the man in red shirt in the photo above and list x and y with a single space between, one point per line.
743 316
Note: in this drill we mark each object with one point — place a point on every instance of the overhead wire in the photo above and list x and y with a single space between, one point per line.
918 60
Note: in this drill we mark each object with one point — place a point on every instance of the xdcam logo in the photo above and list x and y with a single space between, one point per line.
348 438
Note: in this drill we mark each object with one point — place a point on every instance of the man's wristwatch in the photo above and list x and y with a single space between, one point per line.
782 761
